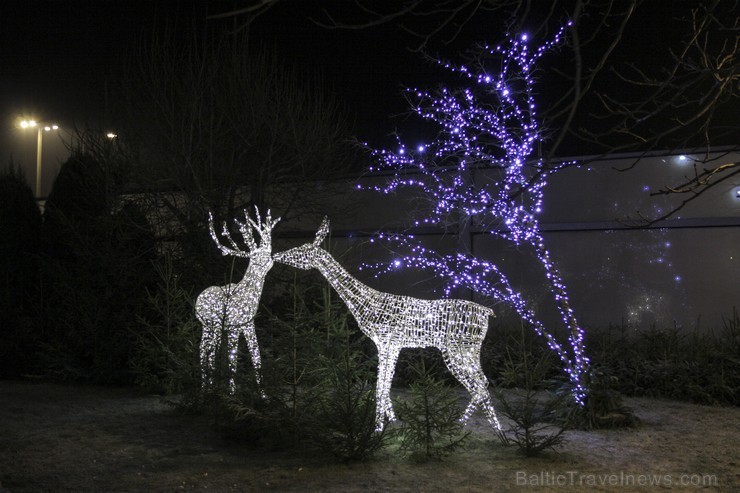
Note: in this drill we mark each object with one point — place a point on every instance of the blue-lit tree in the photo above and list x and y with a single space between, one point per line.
491 124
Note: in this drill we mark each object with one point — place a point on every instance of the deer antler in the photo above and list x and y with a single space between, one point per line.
264 229
245 228
225 231
322 232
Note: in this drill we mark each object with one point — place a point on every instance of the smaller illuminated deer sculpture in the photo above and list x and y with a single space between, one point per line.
456 327
228 311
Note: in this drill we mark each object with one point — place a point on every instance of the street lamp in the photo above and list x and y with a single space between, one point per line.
41 128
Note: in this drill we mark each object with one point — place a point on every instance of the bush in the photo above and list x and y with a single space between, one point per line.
700 366
343 421
539 414
341 409
167 359
430 418
603 408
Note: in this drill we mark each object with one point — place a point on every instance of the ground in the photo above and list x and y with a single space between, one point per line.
72 438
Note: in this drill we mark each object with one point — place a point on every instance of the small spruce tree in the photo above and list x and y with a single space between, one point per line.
431 426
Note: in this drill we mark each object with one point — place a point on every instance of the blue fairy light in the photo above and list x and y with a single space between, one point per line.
499 134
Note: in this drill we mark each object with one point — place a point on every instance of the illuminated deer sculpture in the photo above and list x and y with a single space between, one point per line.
228 311
456 327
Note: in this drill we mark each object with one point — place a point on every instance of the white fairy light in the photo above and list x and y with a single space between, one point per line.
229 310
455 327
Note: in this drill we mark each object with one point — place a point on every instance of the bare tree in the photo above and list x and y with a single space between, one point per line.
222 127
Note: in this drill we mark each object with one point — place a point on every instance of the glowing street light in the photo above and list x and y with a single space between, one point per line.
48 127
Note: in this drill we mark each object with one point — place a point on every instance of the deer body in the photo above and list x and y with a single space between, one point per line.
456 327
229 311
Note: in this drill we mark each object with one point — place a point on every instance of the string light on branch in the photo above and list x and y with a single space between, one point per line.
490 125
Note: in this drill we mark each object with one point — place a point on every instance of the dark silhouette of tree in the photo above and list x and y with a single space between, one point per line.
97 266
20 223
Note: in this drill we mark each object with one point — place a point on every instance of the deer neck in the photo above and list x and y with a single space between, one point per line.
254 278
352 291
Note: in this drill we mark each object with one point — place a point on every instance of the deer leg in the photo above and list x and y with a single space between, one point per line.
465 367
254 351
207 353
483 398
232 335
387 357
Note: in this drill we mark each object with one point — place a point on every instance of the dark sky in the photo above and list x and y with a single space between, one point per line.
62 60
59 57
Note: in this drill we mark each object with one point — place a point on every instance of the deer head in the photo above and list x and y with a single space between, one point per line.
302 257
258 254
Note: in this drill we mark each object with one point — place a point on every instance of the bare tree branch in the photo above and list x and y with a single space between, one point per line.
222 130
376 17
251 12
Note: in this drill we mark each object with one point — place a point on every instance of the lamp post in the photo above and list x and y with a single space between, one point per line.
41 128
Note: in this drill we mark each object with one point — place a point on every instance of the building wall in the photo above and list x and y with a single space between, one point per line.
681 271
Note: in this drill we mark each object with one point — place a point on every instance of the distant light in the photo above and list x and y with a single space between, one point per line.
421 148
28 123
682 157
397 263
111 135
524 37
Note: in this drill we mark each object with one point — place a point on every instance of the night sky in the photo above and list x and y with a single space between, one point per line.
57 56
60 59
